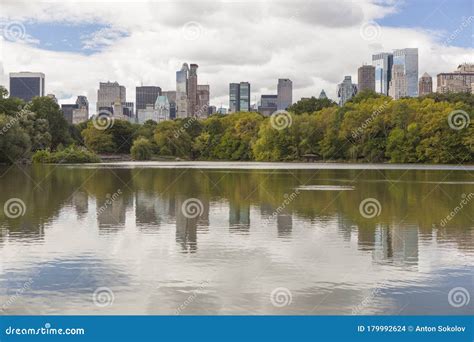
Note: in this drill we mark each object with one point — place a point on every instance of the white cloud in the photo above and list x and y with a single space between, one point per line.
315 43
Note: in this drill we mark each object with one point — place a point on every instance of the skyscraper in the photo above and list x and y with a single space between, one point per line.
408 58
383 69
285 93
366 78
398 84
108 95
346 90
425 85
203 94
26 85
182 91
78 112
146 95
322 95
244 98
234 97
192 90
171 95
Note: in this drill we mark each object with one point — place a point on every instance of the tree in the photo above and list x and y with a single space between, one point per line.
310 105
37 129
100 141
142 149
47 108
15 144
173 140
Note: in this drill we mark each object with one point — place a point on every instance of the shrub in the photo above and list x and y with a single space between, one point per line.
142 149
68 155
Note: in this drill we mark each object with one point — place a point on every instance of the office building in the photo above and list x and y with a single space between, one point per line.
383 68
192 90
108 95
26 85
146 95
408 58
182 92
398 85
425 85
234 97
346 90
268 104
285 93
203 93
458 81
171 95
366 78
77 112
244 97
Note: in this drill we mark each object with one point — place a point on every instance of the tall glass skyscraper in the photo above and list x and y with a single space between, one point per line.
409 59
182 91
234 96
239 97
383 71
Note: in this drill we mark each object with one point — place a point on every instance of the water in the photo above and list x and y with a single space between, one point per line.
274 239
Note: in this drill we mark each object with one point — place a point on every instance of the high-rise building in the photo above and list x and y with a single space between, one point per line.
146 95
171 95
108 95
425 85
244 98
78 112
366 78
182 92
346 90
268 104
285 93
383 69
234 97
193 90
26 85
322 95
458 81
398 85
203 93
408 58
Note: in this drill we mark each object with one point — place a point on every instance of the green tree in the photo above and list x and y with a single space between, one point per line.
15 144
47 108
310 105
142 149
99 141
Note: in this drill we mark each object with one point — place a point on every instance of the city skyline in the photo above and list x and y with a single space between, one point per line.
278 45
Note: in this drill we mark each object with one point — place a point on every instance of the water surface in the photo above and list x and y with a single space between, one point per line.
266 239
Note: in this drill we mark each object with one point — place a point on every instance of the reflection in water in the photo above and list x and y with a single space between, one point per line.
125 228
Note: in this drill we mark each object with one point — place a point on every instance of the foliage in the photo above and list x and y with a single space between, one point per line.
69 155
142 149
99 141
46 108
310 105
15 144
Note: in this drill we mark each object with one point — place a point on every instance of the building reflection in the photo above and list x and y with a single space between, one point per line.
239 216
111 211
187 225
80 202
396 244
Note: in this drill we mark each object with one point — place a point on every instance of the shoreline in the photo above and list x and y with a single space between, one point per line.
237 165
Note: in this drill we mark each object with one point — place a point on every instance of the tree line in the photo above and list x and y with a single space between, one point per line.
369 128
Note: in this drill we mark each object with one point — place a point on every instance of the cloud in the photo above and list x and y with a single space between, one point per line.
314 43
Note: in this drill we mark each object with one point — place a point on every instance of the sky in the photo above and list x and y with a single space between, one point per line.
78 44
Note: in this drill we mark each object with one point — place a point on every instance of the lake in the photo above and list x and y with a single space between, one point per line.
236 238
